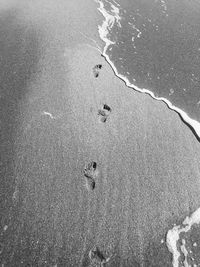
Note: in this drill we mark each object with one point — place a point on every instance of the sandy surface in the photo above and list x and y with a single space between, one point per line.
147 175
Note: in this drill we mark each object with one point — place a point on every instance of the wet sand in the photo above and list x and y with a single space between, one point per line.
146 169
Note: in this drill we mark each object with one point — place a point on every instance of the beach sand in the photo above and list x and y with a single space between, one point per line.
146 176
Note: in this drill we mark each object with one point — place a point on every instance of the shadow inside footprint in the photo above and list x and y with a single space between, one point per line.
96 255
106 107
96 70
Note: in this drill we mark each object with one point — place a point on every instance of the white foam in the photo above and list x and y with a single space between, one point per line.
115 11
106 26
103 32
48 114
173 236
185 253
171 241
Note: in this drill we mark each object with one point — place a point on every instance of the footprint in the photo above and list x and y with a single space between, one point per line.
90 173
97 257
96 70
90 169
104 112
90 184
96 254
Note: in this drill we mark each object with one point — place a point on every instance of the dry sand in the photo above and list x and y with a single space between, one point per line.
147 175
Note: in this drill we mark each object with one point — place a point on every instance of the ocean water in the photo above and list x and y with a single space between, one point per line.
154 46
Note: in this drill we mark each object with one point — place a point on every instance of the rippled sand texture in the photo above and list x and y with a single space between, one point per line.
92 173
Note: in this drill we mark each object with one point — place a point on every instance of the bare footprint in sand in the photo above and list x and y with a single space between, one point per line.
90 173
104 112
97 257
96 70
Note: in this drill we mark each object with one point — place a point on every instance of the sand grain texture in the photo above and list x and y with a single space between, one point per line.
147 164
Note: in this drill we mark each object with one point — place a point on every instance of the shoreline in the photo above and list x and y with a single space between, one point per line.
108 23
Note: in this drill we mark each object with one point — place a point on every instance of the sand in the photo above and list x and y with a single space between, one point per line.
147 159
